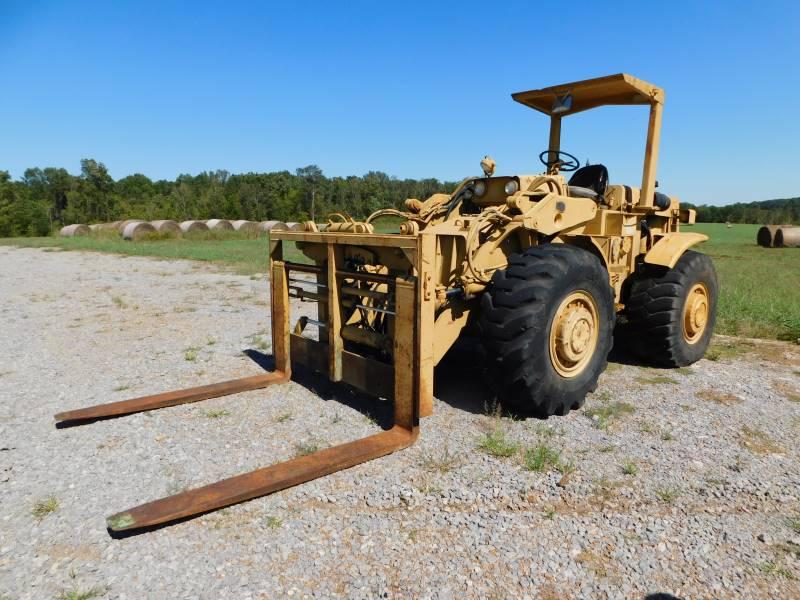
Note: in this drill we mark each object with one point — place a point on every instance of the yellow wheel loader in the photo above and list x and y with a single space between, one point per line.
538 265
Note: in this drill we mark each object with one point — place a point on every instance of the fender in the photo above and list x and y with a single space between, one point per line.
667 250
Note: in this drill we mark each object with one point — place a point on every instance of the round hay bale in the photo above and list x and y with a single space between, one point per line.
245 226
121 225
767 233
219 225
75 230
137 230
296 226
787 237
112 226
187 226
764 235
166 226
276 225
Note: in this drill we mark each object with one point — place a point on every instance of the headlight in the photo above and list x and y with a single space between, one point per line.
512 187
479 188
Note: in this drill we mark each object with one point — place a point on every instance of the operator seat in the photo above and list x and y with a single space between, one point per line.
590 181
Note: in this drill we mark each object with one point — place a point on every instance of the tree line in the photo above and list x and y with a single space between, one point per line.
43 200
770 212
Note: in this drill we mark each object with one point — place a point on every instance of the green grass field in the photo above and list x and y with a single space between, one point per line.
760 287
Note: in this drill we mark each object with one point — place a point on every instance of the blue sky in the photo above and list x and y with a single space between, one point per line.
414 90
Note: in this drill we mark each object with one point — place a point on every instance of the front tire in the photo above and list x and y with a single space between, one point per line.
671 312
547 321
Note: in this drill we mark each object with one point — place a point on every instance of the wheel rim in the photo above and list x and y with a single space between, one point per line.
695 313
573 334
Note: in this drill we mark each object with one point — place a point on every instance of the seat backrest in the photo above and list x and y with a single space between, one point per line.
593 177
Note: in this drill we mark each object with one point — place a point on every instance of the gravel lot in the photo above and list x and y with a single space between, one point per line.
684 482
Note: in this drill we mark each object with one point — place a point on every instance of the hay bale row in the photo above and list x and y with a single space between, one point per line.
187 226
787 237
75 230
219 225
778 236
245 226
272 225
132 229
166 226
136 230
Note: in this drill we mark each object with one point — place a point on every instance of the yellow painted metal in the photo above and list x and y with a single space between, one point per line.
667 250
573 334
451 244
695 313
619 89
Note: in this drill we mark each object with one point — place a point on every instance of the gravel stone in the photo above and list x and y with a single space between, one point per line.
710 510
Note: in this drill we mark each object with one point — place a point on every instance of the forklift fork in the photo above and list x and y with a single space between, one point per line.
411 375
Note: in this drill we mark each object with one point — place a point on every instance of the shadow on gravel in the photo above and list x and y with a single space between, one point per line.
458 380
377 410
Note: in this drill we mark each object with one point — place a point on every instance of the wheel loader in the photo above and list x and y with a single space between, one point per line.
539 266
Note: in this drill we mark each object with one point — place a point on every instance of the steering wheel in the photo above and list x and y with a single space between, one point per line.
561 165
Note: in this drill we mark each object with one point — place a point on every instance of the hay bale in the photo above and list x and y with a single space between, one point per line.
245 226
767 233
787 237
137 230
166 226
269 225
296 226
219 225
74 230
187 226
121 225
112 226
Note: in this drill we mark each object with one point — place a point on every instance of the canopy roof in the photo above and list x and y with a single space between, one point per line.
619 89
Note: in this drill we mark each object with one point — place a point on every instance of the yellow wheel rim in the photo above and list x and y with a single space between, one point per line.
573 334
695 313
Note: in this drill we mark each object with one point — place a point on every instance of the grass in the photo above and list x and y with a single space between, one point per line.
42 508
441 462
758 286
190 354
719 397
246 255
78 594
541 458
726 349
608 412
668 494
655 380
757 441
773 568
793 524
304 449
629 467
496 444
217 413
274 522
791 393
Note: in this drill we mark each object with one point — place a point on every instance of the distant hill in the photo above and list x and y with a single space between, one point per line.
783 210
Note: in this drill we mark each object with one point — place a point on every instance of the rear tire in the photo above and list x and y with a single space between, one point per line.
547 322
671 312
